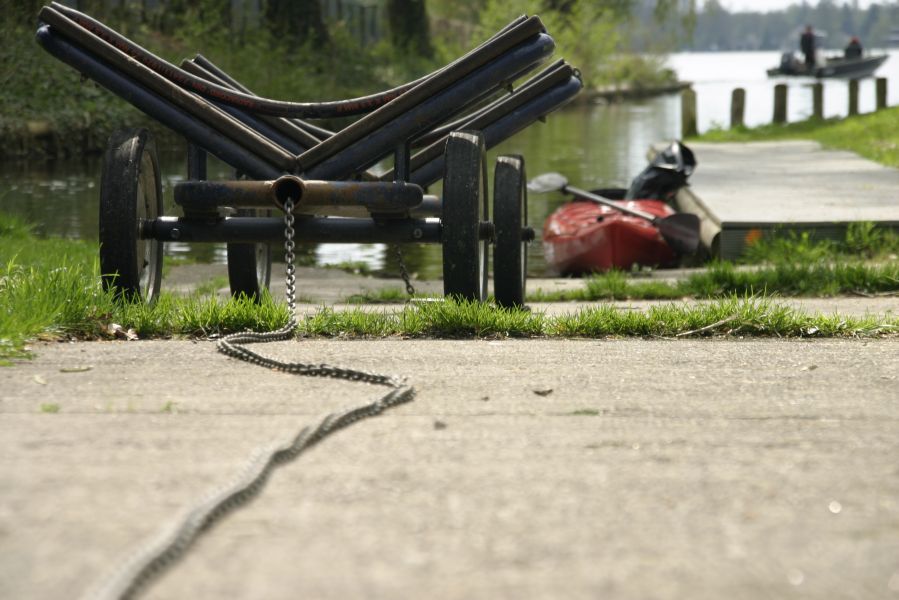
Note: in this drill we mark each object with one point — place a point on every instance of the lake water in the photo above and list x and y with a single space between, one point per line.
596 145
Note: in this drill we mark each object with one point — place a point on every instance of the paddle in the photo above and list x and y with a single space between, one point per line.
680 230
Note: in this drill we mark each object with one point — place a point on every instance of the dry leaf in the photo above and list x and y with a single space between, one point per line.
116 330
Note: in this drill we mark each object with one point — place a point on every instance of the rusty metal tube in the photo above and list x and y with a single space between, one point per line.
338 108
376 197
289 186
205 197
208 196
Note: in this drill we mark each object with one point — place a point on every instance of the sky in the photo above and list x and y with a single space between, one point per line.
767 5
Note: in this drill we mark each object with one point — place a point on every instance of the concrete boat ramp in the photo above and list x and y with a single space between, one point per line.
748 190
541 469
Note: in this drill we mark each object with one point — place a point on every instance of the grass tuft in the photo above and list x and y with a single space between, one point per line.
734 316
389 295
725 317
51 288
872 135
864 263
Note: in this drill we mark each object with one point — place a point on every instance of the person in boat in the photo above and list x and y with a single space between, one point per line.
853 49
807 45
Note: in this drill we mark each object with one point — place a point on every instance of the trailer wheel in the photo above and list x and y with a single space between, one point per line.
130 194
464 207
249 265
510 214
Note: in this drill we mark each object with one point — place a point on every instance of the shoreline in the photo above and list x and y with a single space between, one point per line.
627 92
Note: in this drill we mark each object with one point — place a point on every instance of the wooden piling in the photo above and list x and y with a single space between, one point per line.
780 103
881 93
818 100
688 113
853 97
737 107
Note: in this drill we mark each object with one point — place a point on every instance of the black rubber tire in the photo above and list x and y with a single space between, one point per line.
249 265
464 206
510 215
130 193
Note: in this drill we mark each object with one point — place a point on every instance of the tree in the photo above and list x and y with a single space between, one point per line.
297 21
409 29
847 18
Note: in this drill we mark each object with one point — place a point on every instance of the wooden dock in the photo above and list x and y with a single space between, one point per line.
745 191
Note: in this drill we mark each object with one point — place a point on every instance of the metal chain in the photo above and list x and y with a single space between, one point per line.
154 557
290 275
404 272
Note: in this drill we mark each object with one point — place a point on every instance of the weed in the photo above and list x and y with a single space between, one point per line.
380 296
585 412
863 240
212 286
52 287
733 316
870 241
793 265
789 247
50 408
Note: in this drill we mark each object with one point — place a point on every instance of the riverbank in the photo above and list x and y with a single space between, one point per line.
627 91
48 111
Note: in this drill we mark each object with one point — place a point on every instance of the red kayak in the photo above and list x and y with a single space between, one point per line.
584 237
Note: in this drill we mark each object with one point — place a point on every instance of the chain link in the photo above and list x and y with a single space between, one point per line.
290 277
151 559
404 272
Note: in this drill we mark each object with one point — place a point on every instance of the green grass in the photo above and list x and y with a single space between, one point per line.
863 241
874 135
390 295
733 316
864 263
212 286
722 279
50 288
585 412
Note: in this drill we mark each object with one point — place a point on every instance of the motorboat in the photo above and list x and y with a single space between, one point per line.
837 66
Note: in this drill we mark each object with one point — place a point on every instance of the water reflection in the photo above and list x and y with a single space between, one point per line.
595 146
598 145
714 76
